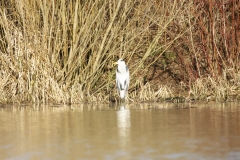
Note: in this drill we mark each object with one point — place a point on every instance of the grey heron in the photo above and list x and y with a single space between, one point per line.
122 78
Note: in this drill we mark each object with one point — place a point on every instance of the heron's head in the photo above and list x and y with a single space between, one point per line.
120 62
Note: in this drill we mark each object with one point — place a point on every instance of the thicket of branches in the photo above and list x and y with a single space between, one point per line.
62 51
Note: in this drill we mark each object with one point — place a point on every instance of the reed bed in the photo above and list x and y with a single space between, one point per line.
62 51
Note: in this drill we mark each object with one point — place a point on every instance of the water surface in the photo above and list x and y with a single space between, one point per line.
132 131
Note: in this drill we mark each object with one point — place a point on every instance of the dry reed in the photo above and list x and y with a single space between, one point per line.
62 51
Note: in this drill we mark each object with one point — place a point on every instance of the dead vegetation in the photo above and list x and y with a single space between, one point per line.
62 51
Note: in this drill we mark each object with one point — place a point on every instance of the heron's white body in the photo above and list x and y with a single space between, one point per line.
122 78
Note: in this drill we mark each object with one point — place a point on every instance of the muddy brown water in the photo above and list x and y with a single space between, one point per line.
132 131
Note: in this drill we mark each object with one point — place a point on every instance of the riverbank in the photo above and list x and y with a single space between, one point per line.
62 52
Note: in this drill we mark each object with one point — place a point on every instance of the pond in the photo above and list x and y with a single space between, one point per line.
118 131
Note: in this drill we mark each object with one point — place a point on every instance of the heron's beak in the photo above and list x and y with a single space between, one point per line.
115 63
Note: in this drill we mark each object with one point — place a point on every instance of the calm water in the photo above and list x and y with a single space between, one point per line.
134 131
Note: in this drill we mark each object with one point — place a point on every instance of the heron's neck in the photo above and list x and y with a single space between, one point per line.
121 69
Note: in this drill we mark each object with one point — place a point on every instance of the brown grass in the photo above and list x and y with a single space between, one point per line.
62 51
